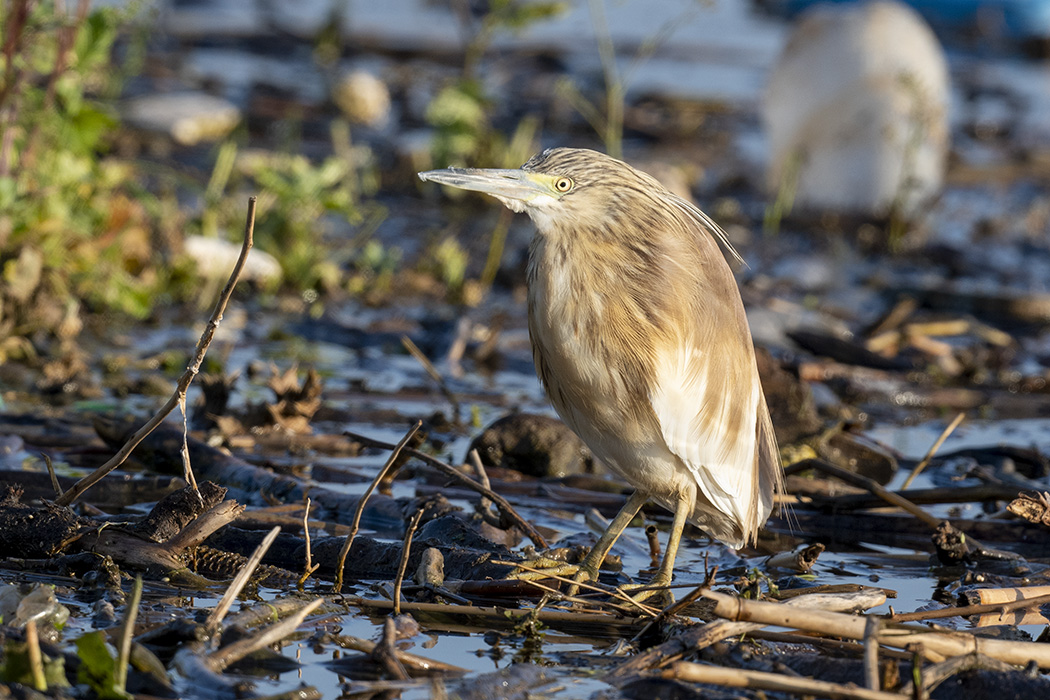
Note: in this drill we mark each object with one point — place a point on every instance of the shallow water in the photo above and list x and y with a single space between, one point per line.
719 53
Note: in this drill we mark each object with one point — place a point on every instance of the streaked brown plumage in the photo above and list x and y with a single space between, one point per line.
641 341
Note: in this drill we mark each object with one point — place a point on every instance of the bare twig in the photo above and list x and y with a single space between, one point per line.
184 451
51 472
761 680
238 582
483 478
431 370
933 450
356 523
233 653
403 564
505 508
968 610
310 567
696 638
874 487
939 643
184 381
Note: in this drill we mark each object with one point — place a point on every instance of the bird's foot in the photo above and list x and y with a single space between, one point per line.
544 567
656 589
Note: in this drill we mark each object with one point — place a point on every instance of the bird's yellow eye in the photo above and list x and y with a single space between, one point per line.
563 184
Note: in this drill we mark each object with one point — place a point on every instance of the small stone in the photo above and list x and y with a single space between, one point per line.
535 445
215 258
405 627
431 569
789 399
189 118
363 98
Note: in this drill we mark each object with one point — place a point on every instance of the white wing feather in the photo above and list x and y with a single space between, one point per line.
693 407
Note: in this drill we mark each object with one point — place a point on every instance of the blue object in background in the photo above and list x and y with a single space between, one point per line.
1019 20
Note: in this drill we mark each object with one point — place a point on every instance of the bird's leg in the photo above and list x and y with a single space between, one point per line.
666 571
588 569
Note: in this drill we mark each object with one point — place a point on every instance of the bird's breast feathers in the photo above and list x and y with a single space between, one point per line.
655 404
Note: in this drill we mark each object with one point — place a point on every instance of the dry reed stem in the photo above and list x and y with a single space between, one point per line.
696 638
36 659
800 559
483 478
871 653
876 488
943 644
555 573
395 450
652 538
968 610
933 450
760 680
127 632
497 613
51 472
232 653
1001 596
238 583
309 567
187 377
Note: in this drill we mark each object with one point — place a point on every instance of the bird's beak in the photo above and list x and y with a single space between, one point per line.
515 188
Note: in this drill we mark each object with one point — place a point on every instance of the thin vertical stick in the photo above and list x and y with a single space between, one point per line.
431 370
51 472
871 654
483 478
310 566
36 660
403 564
355 525
184 381
127 631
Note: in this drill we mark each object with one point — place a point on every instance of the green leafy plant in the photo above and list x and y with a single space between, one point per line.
75 227
98 667
303 207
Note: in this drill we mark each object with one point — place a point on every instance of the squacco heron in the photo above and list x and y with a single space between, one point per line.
640 339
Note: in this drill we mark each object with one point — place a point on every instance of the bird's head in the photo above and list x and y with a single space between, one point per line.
559 185
564 189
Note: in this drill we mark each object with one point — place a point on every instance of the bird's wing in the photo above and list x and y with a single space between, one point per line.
709 419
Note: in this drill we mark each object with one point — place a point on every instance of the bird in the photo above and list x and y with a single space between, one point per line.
640 339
